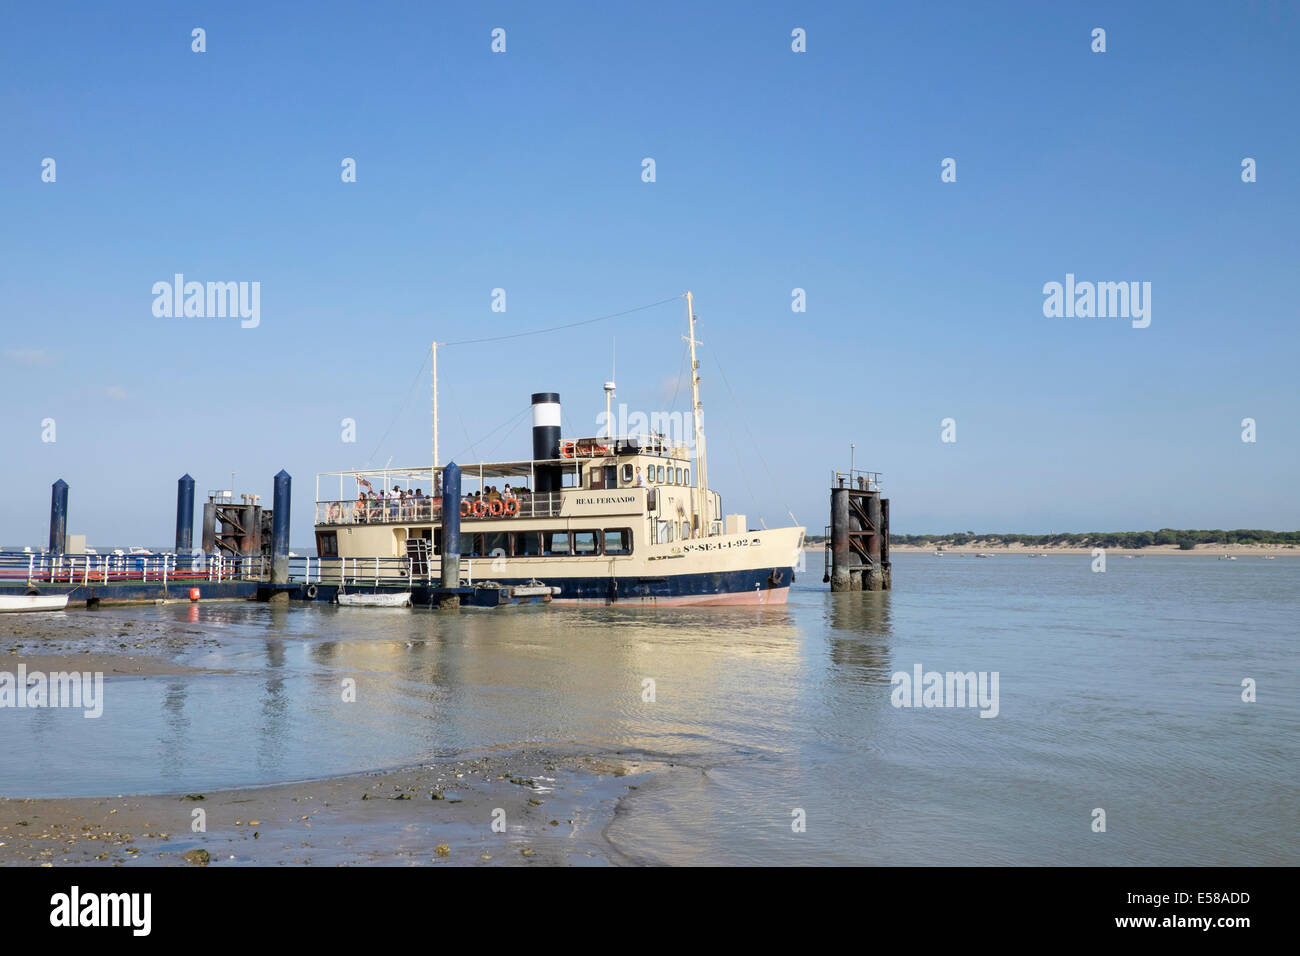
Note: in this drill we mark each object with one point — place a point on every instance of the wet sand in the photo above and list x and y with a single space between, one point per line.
552 810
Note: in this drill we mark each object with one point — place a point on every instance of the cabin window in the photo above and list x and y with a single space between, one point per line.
584 542
679 477
496 544
618 541
661 474
663 531
528 544
555 543
611 476
571 478
686 529
627 474
327 544
688 477
471 546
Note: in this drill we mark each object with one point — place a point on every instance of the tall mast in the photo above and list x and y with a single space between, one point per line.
701 459
434 351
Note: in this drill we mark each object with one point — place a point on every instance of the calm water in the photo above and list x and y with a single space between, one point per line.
1119 691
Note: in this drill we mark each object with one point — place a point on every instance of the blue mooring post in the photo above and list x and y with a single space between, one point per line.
58 516
184 514
280 529
450 532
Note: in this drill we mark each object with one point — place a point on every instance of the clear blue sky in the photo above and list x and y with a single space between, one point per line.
775 170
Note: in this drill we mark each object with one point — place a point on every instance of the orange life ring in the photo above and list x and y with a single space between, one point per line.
480 508
566 449
464 509
496 508
512 507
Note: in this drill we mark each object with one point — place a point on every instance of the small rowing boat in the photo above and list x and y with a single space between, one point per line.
375 600
32 602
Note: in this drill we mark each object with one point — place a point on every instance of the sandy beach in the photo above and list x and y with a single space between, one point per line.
547 809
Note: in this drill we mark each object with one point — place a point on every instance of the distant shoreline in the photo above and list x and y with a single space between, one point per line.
1202 550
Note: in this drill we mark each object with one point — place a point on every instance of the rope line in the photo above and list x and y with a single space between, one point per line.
557 328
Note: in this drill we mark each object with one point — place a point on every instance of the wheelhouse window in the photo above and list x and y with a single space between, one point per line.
679 477
626 474
661 474
688 477
618 541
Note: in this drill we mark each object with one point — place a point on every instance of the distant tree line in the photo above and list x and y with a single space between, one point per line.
1185 539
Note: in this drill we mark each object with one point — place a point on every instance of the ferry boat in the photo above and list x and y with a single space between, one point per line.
604 520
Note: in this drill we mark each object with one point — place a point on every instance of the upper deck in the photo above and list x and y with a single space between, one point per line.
414 495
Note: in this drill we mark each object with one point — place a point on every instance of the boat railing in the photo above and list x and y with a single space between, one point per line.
381 572
418 510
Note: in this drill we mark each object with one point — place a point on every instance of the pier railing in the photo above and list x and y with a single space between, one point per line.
373 511
857 479
34 568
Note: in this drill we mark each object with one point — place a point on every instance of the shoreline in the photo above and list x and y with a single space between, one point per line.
1201 550
548 809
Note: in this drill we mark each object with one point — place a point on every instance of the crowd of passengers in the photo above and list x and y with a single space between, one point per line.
400 505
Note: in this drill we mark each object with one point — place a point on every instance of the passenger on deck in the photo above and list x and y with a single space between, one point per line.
640 478
360 514
493 494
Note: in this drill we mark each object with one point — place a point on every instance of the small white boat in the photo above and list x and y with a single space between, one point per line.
375 600
11 604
